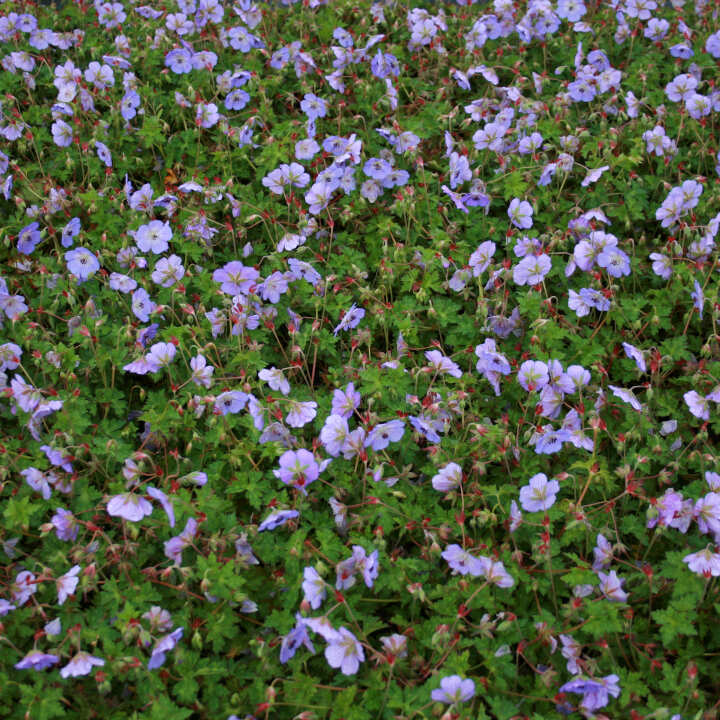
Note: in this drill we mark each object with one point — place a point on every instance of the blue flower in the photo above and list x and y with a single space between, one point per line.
276 519
82 263
28 238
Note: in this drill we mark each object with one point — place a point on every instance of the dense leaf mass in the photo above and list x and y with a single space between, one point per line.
359 360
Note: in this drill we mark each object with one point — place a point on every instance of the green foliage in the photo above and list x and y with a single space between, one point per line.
636 467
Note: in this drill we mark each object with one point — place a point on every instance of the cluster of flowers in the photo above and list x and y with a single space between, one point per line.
153 265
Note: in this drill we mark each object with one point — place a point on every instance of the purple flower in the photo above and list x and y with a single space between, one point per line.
344 652
6 607
481 258
395 644
81 263
539 494
237 99
532 269
385 433
384 64
276 519
298 469
39 481
294 639
276 180
681 87
594 175
447 479
454 689
161 354
586 299
142 305
301 413
175 545
626 396
595 692
53 628
314 587
704 562
533 375
81 664
129 506
121 283
141 366
23 588
207 115
10 355
579 376
232 401
603 553
274 286
13 305
36 660
366 564
62 133
164 646
179 61
168 271
28 238
457 198
461 561
159 619
103 152
43 410
25 395
615 261
520 213
428 428
202 372
129 104
313 106
65 524
164 501
318 196
345 574
355 444
301 269
67 583
351 319
153 236
634 354
550 440
697 404
101 76
581 90
706 511
712 45
236 278
334 434
306 149
689 193
441 364
345 402
698 298
611 586
571 10
377 168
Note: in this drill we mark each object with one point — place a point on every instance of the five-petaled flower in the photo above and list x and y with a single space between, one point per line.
453 690
298 469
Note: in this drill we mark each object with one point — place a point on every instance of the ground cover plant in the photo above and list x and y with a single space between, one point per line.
359 360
